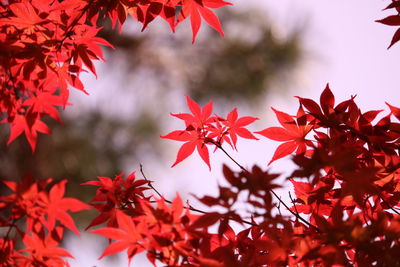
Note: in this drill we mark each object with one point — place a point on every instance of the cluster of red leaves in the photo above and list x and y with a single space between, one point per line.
345 211
350 174
36 212
46 45
118 193
347 187
202 129
165 230
169 233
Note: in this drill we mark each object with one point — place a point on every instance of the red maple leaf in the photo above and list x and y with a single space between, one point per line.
44 251
193 140
394 110
195 135
31 125
25 15
199 118
236 126
127 236
201 8
393 20
293 133
162 8
116 193
24 199
57 206
44 103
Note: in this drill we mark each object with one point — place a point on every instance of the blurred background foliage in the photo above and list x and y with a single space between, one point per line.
242 68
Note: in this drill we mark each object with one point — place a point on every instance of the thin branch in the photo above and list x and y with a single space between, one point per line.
6 238
272 191
294 205
150 183
364 207
388 204
190 207
230 157
294 214
279 208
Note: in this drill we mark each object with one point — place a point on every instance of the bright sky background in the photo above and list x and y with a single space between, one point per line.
344 46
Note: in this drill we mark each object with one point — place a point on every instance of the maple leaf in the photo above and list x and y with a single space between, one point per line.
114 193
236 126
292 133
199 118
25 15
195 135
201 8
162 8
394 110
219 132
30 125
326 114
26 199
169 214
126 236
87 46
45 102
64 75
393 20
57 206
45 251
193 140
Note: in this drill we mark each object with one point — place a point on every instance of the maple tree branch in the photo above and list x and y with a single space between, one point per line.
272 191
294 205
279 208
295 214
363 210
388 204
6 237
230 157
190 207
149 183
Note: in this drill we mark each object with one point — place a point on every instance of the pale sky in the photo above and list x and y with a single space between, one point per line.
346 48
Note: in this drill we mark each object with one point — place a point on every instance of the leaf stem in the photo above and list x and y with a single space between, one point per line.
388 204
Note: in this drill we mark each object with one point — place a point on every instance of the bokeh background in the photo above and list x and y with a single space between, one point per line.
272 51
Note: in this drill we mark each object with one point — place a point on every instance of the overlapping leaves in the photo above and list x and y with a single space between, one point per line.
203 129
46 45
43 214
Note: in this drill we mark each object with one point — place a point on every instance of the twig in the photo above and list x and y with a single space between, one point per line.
190 207
388 204
294 205
150 183
296 215
272 191
6 238
229 156
364 207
